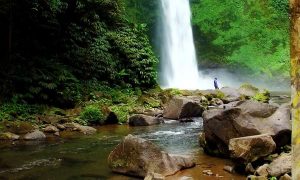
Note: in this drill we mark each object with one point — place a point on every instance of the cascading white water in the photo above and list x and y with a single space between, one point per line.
178 64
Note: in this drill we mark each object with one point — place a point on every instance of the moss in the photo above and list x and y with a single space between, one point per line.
119 163
123 112
263 96
149 102
18 127
220 95
249 86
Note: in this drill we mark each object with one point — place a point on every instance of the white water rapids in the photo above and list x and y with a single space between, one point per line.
179 67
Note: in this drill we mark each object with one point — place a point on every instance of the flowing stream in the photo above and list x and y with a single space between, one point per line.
179 67
85 157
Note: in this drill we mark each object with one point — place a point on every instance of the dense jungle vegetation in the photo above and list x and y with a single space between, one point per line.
54 50
60 52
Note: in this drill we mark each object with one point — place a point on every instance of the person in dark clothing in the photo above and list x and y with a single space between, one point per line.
216 83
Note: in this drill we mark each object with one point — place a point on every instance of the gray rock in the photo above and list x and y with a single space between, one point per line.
36 135
285 177
262 170
87 130
281 165
229 169
247 118
183 107
251 148
231 94
50 129
143 120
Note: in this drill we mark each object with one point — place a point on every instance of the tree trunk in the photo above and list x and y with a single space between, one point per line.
295 75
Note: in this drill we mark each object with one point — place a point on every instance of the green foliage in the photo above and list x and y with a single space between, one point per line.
92 115
246 35
138 66
220 95
58 46
24 112
263 96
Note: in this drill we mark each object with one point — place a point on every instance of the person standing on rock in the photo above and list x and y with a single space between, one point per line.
216 83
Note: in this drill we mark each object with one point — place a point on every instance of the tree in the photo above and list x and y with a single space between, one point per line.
295 74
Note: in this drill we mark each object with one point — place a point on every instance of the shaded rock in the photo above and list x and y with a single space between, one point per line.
87 130
229 169
262 170
249 169
111 118
182 107
247 118
36 135
50 129
252 177
9 136
60 127
251 148
281 165
138 157
143 120
285 177
154 176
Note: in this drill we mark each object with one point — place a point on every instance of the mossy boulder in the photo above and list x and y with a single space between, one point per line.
248 90
183 107
138 157
9 136
18 127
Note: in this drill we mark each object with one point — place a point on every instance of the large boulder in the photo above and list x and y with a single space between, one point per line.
183 107
251 148
246 118
281 165
138 157
230 94
35 135
143 120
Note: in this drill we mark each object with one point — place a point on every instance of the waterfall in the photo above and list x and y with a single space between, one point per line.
178 57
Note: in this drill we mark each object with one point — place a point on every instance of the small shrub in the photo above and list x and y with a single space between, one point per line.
92 115
122 112
220 95
263 96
